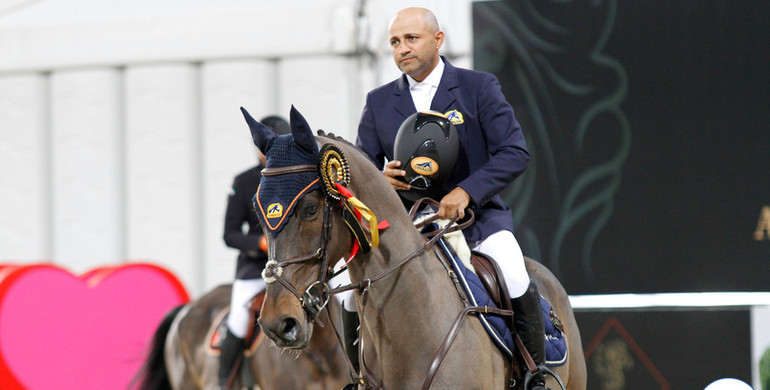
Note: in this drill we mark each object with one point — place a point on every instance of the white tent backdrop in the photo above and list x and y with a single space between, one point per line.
119 124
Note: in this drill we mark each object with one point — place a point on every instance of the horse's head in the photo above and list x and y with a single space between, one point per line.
305 237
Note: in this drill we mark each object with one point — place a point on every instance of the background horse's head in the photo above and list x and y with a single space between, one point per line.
305 237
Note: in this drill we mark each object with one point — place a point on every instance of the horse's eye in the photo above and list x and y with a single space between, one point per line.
310 211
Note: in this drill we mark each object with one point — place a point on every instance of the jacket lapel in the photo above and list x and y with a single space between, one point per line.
404 104
444 97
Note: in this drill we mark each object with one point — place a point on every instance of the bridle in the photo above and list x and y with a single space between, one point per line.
315 297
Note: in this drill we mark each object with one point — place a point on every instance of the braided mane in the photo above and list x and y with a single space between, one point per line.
322 133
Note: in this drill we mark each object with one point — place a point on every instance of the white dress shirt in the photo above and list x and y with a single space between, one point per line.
423 91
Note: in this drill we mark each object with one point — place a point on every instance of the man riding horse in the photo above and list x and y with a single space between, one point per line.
492 153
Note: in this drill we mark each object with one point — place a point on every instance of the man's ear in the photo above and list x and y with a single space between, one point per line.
439 37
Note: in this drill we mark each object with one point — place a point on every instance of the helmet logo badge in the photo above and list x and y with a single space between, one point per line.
275 210
424 165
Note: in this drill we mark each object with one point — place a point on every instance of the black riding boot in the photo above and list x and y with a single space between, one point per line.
230 348
528 323
350 324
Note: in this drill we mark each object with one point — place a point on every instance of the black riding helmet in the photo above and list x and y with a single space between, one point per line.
427 145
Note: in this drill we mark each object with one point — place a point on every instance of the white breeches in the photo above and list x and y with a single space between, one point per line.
503 247
243 291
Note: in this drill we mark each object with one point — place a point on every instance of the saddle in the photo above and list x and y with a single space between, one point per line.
491 277
253 337
489 272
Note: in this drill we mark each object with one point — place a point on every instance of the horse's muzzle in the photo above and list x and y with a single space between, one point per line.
287 332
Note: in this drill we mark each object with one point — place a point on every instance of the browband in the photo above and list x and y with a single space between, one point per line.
289 169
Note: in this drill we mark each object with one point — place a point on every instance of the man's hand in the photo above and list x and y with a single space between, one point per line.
454 204
392 173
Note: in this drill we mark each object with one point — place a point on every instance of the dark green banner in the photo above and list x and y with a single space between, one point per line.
647 125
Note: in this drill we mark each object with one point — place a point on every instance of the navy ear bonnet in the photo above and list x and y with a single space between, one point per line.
277 195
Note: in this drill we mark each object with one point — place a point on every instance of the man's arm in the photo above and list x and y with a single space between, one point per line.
367 139
505 142
238 207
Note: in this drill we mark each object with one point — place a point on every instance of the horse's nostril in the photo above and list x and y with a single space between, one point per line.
290 328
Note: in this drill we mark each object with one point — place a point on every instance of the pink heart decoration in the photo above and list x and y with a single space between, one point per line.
60 331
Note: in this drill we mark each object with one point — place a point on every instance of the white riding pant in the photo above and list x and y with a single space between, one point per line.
240 298
503 247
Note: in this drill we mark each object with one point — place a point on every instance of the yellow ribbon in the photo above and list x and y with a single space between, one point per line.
370 218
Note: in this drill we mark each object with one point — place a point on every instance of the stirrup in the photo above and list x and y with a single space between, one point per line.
541 369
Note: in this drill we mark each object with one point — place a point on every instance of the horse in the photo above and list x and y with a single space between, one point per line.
181 357
406 301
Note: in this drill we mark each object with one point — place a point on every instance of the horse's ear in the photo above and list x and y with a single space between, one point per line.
262 135
302 133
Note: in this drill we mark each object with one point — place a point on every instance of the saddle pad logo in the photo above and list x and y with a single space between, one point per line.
424 166
454 116
275 210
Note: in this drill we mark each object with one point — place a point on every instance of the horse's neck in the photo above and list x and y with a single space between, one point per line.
411 309
399 241
419 289
407 312
420 286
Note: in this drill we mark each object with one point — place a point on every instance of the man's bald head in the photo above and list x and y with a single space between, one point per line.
415 40
426 15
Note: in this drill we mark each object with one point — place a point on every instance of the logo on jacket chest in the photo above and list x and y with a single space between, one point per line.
456 117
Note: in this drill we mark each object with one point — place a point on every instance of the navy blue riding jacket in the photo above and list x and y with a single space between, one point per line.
492 153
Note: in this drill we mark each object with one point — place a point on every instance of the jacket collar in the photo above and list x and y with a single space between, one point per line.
441 101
